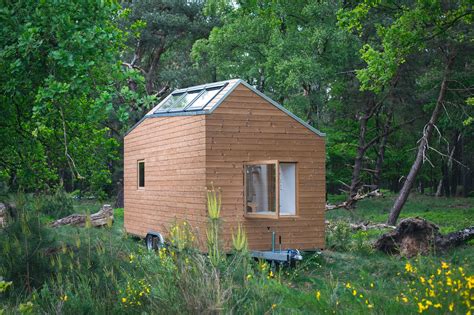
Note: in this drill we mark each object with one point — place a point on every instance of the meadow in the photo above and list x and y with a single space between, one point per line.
72 270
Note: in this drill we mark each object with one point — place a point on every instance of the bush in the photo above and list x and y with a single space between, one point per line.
58 205
23 246
338 235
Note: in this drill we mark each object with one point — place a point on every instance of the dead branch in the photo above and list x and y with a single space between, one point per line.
103 217
359 196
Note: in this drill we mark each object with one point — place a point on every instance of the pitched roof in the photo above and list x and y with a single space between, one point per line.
204 99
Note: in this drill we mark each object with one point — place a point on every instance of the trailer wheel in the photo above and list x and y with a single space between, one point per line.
150 241
154 241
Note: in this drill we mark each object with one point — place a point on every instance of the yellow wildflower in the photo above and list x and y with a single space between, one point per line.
409 267
449 281
438 305
318 295
422 280
451 307
444 265
354 292
405 299
124 300
422 307
348 285
63 298
371 285
274 306
370 305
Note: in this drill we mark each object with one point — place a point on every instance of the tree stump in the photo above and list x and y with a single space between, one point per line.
101 218
415 236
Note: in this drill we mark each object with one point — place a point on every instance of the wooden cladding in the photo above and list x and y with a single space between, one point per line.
185 154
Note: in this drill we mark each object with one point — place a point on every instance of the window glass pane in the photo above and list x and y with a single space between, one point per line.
287 188
141 174
260 189
183 102
169 102
204 98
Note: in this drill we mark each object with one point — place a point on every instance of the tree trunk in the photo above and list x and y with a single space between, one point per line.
381 152
439 190
420 157
361 149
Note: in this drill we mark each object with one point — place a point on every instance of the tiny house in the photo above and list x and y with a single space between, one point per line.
268 164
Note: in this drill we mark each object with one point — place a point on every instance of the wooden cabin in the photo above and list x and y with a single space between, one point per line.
268 164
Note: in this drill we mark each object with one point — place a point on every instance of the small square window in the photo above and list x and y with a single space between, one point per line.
141 174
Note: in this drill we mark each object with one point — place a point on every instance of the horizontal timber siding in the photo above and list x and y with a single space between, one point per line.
173 149
246 128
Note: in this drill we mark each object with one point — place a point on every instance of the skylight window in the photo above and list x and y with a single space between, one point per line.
204 98
195 99
184 101
169 102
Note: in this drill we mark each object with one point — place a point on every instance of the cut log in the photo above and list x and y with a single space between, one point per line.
415 236
3 215
359 196
103 217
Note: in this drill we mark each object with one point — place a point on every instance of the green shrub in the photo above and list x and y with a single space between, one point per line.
57 205
338 235
23 247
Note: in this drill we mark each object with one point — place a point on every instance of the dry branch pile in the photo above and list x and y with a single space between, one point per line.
101 218
415 236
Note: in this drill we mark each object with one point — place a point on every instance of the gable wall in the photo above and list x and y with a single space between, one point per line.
174 153
245 128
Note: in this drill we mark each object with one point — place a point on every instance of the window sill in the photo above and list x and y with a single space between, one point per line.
270 216
261 216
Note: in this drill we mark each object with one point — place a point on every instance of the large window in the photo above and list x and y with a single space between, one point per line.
141 174
262 198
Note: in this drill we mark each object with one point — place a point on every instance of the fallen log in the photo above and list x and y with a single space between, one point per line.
359 196
366 226
415 236
103 217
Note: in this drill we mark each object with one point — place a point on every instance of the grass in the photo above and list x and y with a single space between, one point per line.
450 214
348 279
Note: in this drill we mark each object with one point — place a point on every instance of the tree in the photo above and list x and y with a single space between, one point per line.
56 59
433 29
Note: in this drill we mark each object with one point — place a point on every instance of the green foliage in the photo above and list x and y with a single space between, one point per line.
58 205
338 235
56 60
23 246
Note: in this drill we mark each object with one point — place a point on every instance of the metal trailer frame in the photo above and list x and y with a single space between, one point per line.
154 241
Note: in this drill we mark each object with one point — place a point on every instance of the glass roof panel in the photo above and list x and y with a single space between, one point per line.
169 102
204 98
184 101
